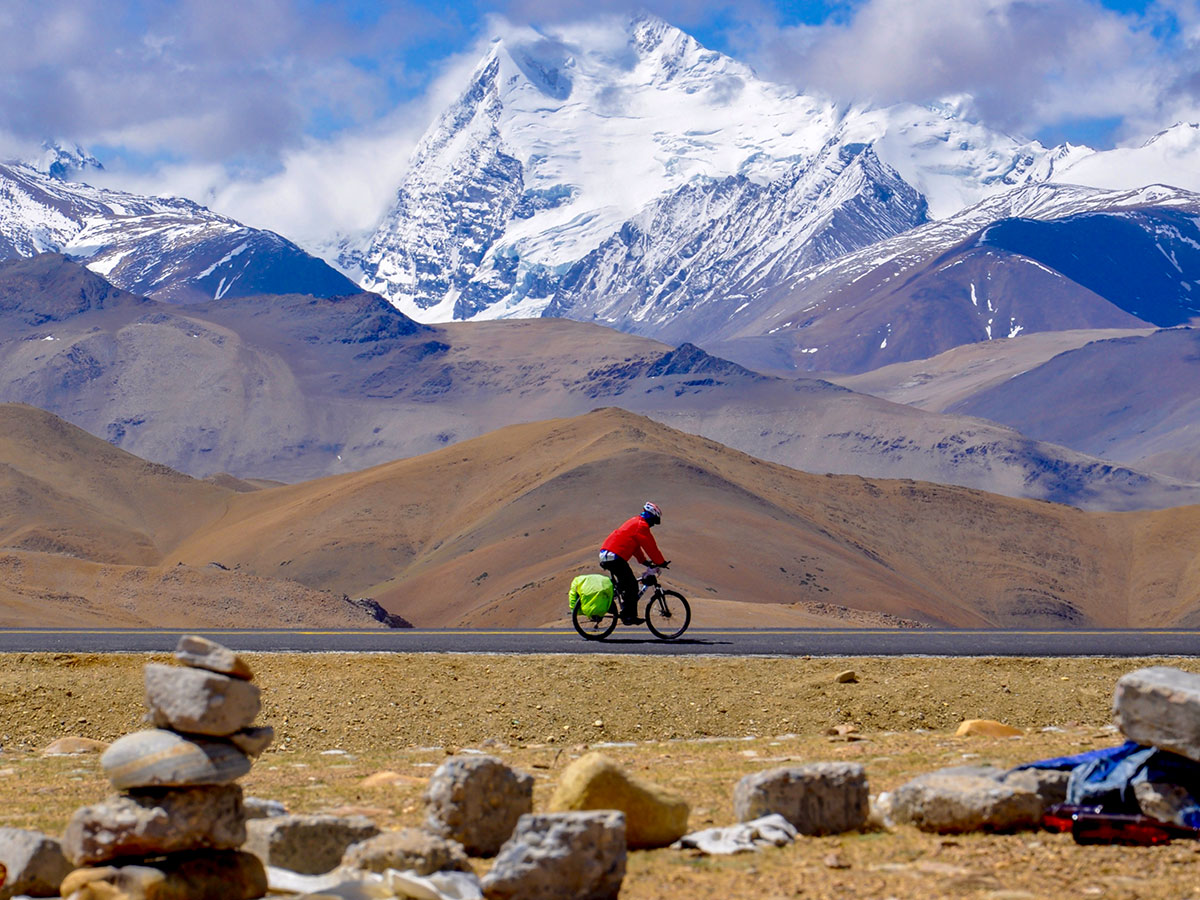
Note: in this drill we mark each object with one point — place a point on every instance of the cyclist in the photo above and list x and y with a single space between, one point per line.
632 540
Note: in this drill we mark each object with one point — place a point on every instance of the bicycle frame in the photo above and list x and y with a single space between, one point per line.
647 580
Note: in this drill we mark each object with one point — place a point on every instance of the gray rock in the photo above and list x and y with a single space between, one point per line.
152 822
561 856
198 701
253 741
949 802
165 759
1049 784
407 849
477 800
34 863
217 875
310 845
993 772
259 808
201 653
818 798
1164 801
1160 707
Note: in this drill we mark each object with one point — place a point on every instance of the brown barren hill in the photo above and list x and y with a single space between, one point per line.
490 531
64 491
84 527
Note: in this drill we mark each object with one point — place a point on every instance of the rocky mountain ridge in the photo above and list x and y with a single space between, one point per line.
163 247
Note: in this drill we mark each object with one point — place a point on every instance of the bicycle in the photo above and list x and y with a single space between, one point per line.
668 613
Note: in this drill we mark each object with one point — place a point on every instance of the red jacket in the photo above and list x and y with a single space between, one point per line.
634 539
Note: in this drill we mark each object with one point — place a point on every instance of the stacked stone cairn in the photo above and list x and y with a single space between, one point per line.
173 831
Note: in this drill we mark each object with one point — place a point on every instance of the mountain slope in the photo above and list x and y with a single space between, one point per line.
940 381
985 273
166 248
1129 398
67 492
685 264
290 387
531 503
84 528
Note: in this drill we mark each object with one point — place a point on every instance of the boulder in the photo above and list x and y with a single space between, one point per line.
260 808
653 817
477 800
1160 707
73 746
561 856
198 701
310 845
952 802
817 798
1049 784
164 758
409 849
33 863
201 653
226 875
1163 801
253 741
986 728
156 821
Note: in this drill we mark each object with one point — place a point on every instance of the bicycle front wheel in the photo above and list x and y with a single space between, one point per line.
594 628
668 615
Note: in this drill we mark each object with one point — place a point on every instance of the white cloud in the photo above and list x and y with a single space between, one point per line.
321 190
1027 63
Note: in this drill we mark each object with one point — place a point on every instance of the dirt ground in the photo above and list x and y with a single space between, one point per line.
693 725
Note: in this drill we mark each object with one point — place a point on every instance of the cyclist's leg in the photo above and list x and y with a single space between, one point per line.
627 586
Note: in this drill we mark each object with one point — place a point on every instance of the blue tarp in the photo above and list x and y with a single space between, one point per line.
1106 777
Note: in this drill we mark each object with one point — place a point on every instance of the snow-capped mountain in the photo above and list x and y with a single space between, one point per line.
1169 157
558 141
1039 258
162 247
710 248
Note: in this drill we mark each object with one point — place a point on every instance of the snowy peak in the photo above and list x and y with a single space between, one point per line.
559 139
554 143
165 248
696 257
1180 136
64 161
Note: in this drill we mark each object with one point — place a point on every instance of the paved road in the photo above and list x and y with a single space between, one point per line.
729 642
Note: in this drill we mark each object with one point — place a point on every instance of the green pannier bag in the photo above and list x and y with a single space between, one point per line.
593 593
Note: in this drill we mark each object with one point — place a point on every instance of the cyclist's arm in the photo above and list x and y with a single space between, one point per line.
651 549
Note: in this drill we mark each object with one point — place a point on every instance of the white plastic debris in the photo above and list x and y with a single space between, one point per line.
353 884
769 831
438 886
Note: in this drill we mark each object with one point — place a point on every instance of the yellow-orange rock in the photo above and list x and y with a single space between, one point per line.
653 817
986 728
69 746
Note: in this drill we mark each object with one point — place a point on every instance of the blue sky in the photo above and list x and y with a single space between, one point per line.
221 99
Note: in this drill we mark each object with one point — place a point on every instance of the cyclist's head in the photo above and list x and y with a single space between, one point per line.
651 513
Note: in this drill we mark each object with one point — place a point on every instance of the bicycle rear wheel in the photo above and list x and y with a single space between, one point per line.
594 628
668 615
